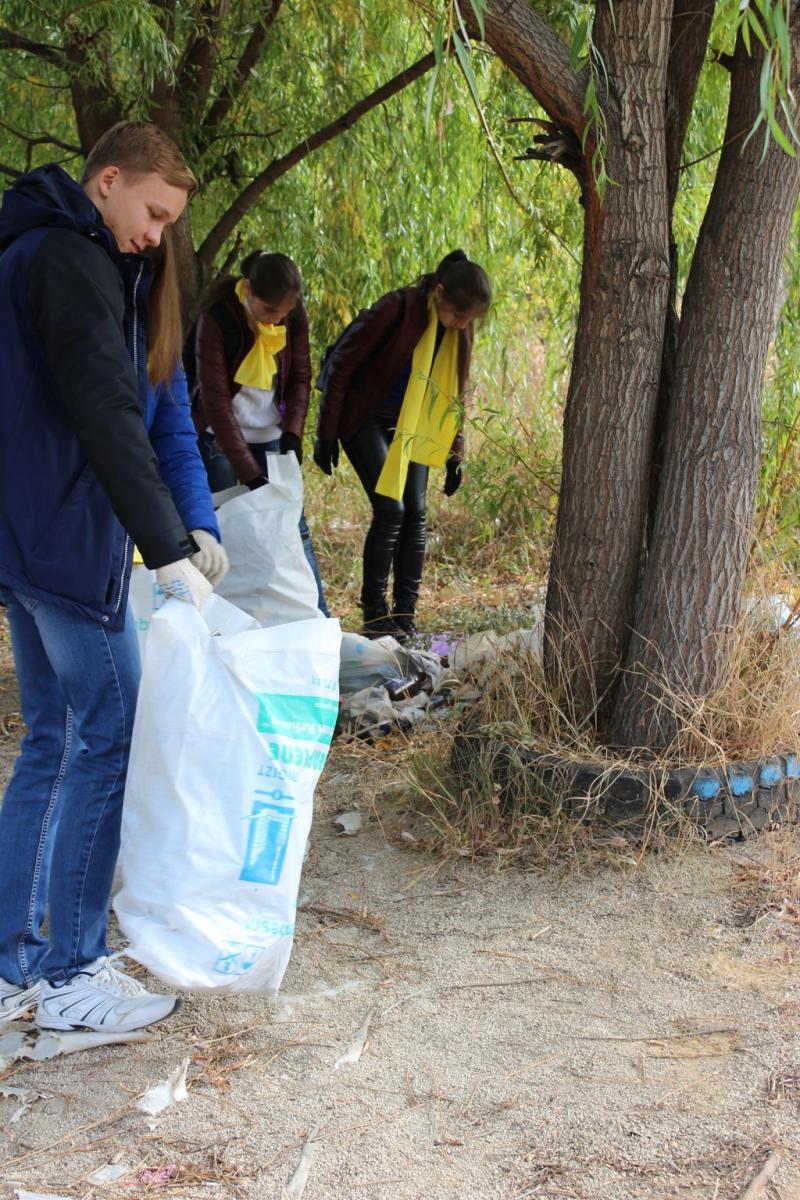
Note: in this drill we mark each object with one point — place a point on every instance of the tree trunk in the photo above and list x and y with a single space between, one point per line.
691 26
692 585
94 102
192 277
609 418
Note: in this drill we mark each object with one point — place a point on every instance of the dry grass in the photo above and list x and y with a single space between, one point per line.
768 882
466 813
485 560
476 807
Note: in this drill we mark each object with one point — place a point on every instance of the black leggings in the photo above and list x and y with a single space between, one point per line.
396 536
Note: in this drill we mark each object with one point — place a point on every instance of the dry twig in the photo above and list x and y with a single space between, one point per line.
757 1184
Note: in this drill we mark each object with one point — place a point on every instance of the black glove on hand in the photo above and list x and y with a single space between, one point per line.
290 443
259 481
452 479
326 454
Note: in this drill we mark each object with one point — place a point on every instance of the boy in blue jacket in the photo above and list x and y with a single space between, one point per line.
94 456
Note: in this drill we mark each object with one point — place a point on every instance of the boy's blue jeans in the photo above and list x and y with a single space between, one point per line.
60 817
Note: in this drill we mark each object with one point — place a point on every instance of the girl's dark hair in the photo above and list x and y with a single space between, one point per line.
164 329
465 285
272 276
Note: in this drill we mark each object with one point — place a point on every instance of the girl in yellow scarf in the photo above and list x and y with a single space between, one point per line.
254 377
392 388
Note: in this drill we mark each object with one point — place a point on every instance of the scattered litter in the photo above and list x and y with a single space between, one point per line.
21 1194
18 1044
408 837
365 662
108 1173
12 1046
370 713
349 822
443 645
774 612
339 777
155 1175
297 1184
170 1091
478 653
289 1001
26 1097
356 1049
385 686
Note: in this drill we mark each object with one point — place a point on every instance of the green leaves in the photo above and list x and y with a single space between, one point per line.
767 22
451 33
583 52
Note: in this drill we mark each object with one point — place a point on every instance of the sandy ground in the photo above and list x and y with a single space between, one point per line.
610 1037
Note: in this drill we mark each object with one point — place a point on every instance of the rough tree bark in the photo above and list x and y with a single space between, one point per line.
611 401
692 585
691 26
609 418
683 594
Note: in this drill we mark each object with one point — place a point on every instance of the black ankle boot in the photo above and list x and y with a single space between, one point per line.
378 624
405 623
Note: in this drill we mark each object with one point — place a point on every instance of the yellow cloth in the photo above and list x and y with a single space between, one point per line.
428 419
257 368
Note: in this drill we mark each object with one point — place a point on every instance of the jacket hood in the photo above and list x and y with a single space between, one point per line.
48 197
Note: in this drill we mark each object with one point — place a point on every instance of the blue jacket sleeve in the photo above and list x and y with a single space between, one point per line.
174 439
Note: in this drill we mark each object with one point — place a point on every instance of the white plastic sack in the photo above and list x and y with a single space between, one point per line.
269 576
145 597
232 730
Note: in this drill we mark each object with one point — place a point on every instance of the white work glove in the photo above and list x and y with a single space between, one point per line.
183 580
211 559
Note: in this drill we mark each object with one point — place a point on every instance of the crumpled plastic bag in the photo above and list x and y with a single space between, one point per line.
366 662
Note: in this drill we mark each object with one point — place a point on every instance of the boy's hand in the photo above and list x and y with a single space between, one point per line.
183 581
211 559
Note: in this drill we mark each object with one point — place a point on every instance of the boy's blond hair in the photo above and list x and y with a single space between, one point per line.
139 148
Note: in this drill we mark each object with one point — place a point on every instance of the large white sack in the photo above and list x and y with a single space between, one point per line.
269 575
144 597
232 730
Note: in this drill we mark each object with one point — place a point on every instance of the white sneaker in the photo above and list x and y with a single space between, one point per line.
16 1000
101 997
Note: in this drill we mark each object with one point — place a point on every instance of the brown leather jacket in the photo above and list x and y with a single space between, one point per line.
371 355
223 339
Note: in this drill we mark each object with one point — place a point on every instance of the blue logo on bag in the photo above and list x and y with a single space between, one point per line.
267 841
236 957
304 718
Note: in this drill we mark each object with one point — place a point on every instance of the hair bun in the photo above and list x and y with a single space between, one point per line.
247 263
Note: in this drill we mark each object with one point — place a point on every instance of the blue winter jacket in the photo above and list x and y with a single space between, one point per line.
168 418
79 475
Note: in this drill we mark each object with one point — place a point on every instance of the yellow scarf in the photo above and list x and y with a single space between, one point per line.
428 419
257 368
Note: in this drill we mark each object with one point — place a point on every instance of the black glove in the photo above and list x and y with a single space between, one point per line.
290 443
259 481
452 479
326 454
